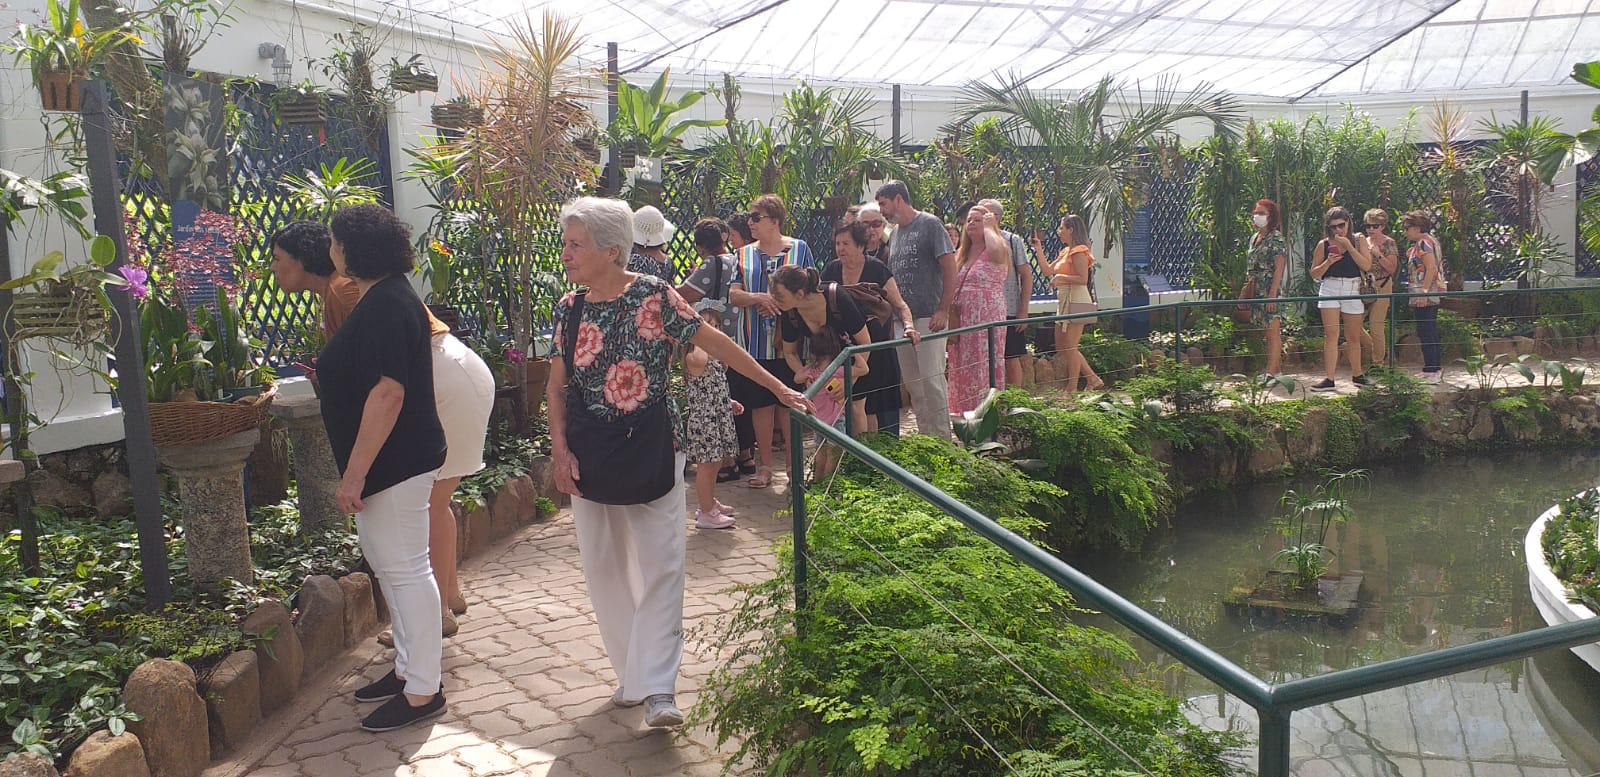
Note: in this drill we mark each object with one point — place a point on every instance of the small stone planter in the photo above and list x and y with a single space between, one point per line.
1274 599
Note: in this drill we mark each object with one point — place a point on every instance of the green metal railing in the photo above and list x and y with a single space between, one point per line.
1274 703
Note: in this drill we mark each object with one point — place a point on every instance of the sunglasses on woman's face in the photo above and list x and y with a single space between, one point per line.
755 218
1374 226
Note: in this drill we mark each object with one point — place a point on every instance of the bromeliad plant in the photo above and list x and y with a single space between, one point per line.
1306 525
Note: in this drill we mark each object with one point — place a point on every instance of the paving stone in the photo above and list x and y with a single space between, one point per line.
527 677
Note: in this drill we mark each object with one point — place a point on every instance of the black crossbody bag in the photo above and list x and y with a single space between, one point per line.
624 461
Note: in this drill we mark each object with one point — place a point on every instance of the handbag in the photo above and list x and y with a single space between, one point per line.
869 298
1242 314
627 460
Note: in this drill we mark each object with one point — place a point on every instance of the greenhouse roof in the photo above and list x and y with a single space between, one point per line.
1286 49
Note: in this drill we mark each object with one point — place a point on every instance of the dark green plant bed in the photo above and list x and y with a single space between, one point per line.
1570 545
70 636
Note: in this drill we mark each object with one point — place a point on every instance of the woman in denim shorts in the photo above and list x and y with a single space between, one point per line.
1338 264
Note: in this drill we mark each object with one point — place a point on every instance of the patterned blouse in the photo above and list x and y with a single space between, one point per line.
623 357
1264 253
649 265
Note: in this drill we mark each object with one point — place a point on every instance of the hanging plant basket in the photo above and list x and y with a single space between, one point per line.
75 317
308 111
454 115
413 80
190 423
61 91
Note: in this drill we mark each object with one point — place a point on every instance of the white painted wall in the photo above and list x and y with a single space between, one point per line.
79 407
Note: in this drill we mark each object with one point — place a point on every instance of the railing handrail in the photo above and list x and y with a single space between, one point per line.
1274 703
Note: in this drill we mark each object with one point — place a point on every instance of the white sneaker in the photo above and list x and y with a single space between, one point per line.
712 520
661 711
726 510
1434 378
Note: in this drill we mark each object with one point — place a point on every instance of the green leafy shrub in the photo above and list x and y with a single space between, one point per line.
1114 358
873 678
1186 388
1570 547
1522 408
510 460
1214 335
1458 336
1395 405
1114 493
1342 444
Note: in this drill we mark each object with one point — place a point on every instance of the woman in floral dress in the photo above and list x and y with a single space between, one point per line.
984 259
629 328
1269 264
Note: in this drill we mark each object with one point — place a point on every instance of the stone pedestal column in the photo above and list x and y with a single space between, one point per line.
211 492
315 472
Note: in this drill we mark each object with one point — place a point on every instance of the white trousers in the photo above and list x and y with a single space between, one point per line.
394 536
922 371
633 559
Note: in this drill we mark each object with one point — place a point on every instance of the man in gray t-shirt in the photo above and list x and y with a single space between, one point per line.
924 267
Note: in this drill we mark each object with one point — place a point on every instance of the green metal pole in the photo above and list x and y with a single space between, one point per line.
797 509
1272 750
849 417
988 337
1177 334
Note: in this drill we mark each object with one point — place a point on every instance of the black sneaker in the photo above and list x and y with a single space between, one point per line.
398 713
1325 385
386 688
1361 380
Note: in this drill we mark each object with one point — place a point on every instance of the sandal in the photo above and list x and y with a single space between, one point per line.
747 467
728 474
761 479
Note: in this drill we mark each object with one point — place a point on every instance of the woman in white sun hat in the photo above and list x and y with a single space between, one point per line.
652 232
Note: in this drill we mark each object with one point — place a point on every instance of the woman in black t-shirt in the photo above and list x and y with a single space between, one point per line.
881 385
1338 263
807 310
378 407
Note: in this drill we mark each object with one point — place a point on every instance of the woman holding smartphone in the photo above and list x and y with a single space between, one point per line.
1338 264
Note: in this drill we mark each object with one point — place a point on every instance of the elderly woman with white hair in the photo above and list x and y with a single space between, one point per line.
877 231
618 443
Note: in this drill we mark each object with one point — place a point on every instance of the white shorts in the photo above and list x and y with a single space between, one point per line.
463 392
1340 287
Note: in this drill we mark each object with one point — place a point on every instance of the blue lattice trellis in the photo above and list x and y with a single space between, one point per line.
264 153
1588 187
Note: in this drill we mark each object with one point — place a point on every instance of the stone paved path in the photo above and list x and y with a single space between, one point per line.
528 683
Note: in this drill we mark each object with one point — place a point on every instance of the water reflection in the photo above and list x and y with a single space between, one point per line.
1440 545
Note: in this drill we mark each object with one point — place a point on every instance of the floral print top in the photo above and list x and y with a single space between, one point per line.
1264 252
623 357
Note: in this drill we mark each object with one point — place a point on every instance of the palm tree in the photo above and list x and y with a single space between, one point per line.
522 157
1100 157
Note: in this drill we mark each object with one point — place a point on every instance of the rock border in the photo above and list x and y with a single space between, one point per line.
1549 595
234 703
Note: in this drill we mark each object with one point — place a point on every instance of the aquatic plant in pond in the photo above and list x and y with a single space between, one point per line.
1306 525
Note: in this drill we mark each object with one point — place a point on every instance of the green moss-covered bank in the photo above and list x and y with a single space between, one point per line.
1126 462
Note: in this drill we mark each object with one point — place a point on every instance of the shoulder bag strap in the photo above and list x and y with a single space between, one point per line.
574 320
718 291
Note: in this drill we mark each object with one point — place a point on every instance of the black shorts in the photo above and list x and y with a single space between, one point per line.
754 395
1016 342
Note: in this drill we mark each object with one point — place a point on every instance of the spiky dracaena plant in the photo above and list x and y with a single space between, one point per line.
521 161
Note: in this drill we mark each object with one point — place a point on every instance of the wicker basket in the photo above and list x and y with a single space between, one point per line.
188 423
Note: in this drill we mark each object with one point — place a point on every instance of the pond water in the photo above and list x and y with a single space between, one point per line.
1440 546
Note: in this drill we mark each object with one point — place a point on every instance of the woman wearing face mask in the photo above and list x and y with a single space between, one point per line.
1269 262
1338 263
